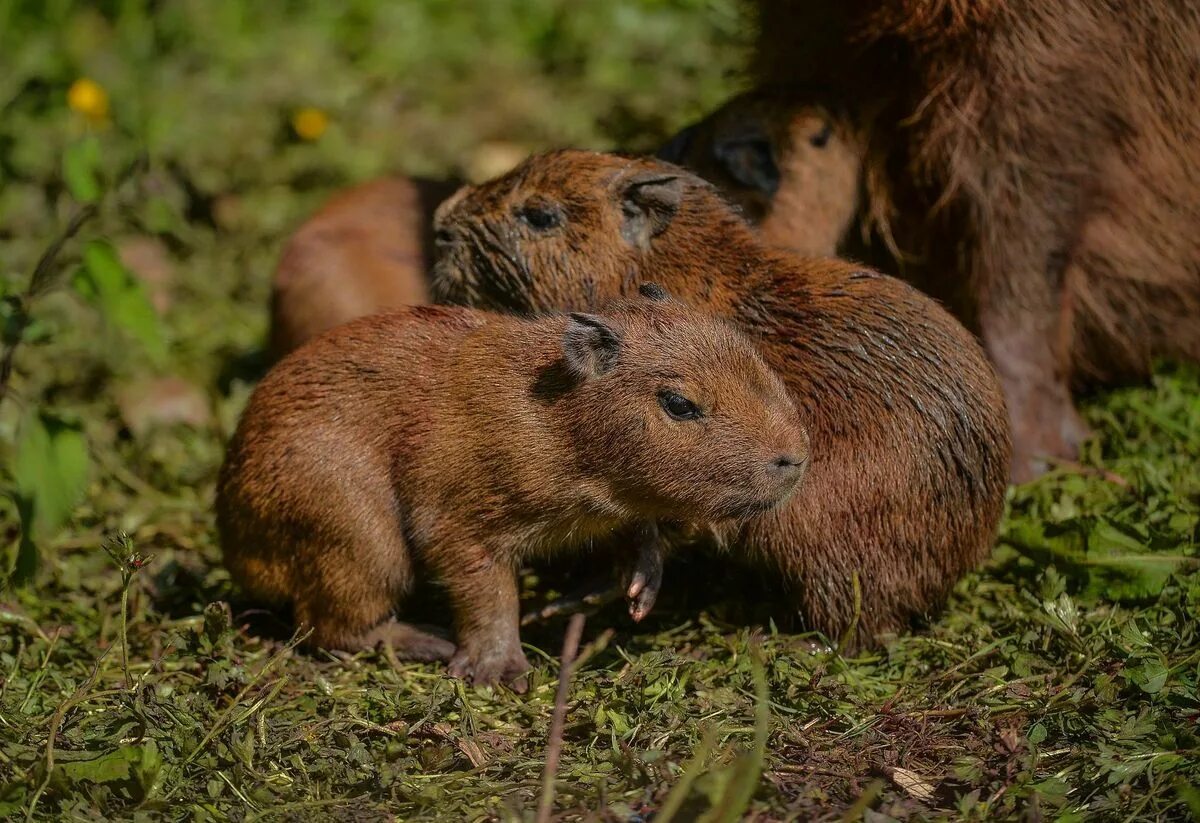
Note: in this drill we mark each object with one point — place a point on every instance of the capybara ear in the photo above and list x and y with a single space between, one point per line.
590 345
444 209
750 161
653 291
821 139
676 149
649 200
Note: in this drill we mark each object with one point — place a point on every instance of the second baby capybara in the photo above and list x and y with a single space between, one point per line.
1038 164
464 442
367 250
910 434
795 171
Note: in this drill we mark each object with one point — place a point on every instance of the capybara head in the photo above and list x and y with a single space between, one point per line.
569 229
794 170
675 410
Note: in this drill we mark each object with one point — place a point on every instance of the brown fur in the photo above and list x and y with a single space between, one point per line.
1040 171
367 250
466 442
911 448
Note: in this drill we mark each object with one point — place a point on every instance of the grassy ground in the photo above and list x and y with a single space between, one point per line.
1060 683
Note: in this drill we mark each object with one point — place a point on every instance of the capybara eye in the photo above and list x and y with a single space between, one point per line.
821 138
540 216
678 406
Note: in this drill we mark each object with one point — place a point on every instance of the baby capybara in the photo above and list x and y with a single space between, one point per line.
1039 169
794 170
367 250
910 434
465 442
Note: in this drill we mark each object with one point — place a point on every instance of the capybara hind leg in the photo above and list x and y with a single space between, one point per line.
348 594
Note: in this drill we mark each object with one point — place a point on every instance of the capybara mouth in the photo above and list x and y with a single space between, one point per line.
753 508
449 280
466 277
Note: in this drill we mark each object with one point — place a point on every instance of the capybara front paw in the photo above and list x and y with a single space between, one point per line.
643 591
491 667
643 578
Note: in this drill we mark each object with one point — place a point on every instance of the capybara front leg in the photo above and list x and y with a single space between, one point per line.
486 617
1045 424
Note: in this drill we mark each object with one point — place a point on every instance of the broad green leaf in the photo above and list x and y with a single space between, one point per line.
12 798
138 764
745 773
81 162
1037 733
1101 560
120 296
50 469
1150 676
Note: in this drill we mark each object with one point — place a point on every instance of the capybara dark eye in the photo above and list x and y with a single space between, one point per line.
540 216
821 138
678 406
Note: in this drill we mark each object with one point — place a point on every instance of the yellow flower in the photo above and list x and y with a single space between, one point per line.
89 98
310 123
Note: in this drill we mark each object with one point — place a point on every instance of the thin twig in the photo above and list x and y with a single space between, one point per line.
587 598
558 720
1075 467
38 282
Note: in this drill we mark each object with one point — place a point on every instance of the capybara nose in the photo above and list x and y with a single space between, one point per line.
788 467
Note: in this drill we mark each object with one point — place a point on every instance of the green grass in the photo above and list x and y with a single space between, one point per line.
1060 683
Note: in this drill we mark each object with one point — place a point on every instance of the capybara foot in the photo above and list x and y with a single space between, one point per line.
1074 431
1046 427
642 594
1043 435
644 579
409 642
496 665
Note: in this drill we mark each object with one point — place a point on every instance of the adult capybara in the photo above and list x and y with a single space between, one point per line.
909 430
795 171
465 442
367 250
1041 169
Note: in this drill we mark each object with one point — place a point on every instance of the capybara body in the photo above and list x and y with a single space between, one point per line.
463 443
911 448
1039 170
367 250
